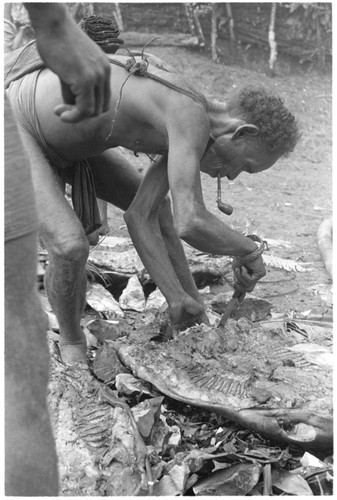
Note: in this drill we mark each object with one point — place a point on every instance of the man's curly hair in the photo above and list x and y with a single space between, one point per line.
102 31
278 129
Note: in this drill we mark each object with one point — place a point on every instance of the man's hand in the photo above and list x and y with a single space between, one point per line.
83 68
187 313
246 276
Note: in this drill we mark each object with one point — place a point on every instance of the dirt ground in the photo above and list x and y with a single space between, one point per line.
287 202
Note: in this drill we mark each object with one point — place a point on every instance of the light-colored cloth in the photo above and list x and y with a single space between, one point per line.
10 32
21 61
16 36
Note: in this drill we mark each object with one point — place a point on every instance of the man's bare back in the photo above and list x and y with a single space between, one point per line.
141 111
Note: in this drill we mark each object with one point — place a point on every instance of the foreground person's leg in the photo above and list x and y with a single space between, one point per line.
30 457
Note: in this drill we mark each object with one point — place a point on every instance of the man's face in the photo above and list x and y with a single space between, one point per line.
231 157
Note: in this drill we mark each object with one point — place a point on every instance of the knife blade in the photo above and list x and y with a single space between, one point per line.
232 305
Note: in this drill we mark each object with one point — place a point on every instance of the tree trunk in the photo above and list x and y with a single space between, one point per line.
198 29
231 28
214 33
118 17
189 15
271 38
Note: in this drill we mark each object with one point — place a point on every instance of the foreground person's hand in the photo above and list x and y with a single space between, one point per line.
83 68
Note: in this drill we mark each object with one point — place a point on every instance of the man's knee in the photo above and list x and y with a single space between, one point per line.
72 249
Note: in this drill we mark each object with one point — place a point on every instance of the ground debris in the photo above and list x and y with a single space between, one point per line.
106 365
286 264
187 450
99 452
99 299
252 308
235 480
133 296
159 441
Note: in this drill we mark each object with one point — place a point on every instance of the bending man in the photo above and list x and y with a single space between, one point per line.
155 112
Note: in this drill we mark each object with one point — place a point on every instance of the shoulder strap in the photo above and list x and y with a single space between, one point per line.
189 93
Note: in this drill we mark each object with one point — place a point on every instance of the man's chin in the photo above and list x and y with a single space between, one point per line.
232 177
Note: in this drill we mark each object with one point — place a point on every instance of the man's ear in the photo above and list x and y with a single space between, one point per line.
242 130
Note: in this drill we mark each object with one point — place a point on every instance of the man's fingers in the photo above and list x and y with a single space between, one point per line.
68 96
83 108
242 276
67 113
244 280
239 293
61 108
85 102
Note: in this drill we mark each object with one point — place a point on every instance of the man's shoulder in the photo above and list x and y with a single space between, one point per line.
154 68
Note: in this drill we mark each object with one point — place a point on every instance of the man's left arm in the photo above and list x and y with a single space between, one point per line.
149 222
176 251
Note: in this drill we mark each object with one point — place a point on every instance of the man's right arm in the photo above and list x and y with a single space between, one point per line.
83 68
196 225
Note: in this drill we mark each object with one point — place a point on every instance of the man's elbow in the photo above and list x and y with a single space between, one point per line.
189 217
131 217
185 227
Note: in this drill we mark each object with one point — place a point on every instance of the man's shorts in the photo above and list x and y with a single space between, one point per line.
20 210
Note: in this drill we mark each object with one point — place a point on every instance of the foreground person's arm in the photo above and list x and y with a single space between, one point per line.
83 68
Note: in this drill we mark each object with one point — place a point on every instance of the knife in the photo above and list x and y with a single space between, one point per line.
232 305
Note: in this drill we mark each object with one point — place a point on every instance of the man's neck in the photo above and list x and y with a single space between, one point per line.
220 121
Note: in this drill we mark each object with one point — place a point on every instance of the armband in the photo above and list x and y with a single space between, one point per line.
255 253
